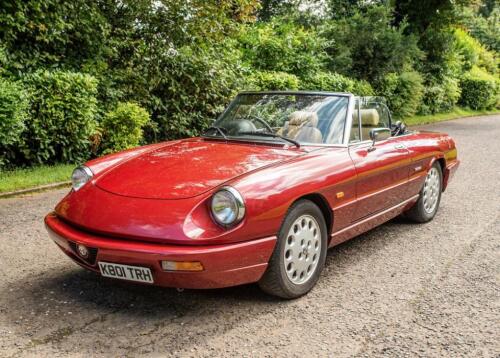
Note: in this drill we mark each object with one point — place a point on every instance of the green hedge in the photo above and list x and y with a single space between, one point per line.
283 46
440 97
122 127
472 53
188 88
334 82
404 93
480 90
272 81
62 117
13 112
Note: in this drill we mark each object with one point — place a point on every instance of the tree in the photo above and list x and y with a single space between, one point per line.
421 14
52 33
367 46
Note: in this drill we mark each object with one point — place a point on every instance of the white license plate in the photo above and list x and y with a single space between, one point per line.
126 272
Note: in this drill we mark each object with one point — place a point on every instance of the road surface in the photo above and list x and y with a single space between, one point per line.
400 290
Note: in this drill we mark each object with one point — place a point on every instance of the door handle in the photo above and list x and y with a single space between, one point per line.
399 146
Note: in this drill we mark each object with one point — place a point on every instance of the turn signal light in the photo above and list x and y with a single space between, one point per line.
181 266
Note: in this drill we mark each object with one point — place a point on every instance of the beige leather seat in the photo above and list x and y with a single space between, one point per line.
302 126
369 119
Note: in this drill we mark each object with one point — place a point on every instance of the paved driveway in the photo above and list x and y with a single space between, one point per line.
401 289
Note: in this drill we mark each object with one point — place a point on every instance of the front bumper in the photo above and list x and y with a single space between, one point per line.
224 265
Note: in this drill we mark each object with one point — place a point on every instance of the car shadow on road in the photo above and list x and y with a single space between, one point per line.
87 288
75 298
64 306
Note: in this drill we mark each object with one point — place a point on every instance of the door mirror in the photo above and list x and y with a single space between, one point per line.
377 134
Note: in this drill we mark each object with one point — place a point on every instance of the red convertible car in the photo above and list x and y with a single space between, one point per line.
278 179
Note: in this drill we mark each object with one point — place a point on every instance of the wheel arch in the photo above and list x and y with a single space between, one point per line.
442 163
325 208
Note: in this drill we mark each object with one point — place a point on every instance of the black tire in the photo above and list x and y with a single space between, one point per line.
418 212
275 280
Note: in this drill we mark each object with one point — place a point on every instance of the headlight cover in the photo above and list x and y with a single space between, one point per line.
228 207
80 177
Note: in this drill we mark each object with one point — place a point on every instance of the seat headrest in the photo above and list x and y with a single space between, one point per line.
369 117
298 118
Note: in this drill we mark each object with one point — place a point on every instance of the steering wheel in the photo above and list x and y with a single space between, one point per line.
268 127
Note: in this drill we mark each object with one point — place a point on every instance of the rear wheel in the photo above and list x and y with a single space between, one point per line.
427 205
300 252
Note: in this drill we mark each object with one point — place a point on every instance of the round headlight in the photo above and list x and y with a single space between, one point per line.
227 206
80 177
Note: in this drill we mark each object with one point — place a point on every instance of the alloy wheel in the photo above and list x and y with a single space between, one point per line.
432 187
302 249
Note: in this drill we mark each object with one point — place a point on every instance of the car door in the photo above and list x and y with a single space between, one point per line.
381 168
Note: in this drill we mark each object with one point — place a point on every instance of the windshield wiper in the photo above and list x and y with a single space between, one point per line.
272 135
218 130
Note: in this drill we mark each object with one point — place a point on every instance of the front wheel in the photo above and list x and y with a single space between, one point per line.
300 252
427 205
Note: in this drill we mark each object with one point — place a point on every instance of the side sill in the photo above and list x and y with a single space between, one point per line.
370 222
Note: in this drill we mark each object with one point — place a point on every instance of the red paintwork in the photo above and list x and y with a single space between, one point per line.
225 265
152 203
187 169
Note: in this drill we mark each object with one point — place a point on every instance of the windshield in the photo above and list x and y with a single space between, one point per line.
298 118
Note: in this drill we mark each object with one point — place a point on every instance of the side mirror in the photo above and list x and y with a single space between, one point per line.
377 134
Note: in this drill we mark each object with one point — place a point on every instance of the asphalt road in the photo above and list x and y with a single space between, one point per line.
400 290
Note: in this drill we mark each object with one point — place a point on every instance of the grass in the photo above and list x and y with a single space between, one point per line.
19 179
455 113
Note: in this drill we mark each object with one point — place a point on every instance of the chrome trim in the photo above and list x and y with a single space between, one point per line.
240 203
388 139
388 111
352 144
87 171
311 93
347 129
348 120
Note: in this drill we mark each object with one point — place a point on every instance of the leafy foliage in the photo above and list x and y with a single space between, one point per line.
122 127
403 92
440 96
199 84
86 62
484 27
13 106
473 53
52 33
442 57
479 89
277 81
62 117
283 46
368 47
334 82
425 14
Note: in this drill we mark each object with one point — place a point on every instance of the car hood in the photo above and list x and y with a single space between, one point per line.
188 168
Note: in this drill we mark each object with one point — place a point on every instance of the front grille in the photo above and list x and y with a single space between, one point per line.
92 254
